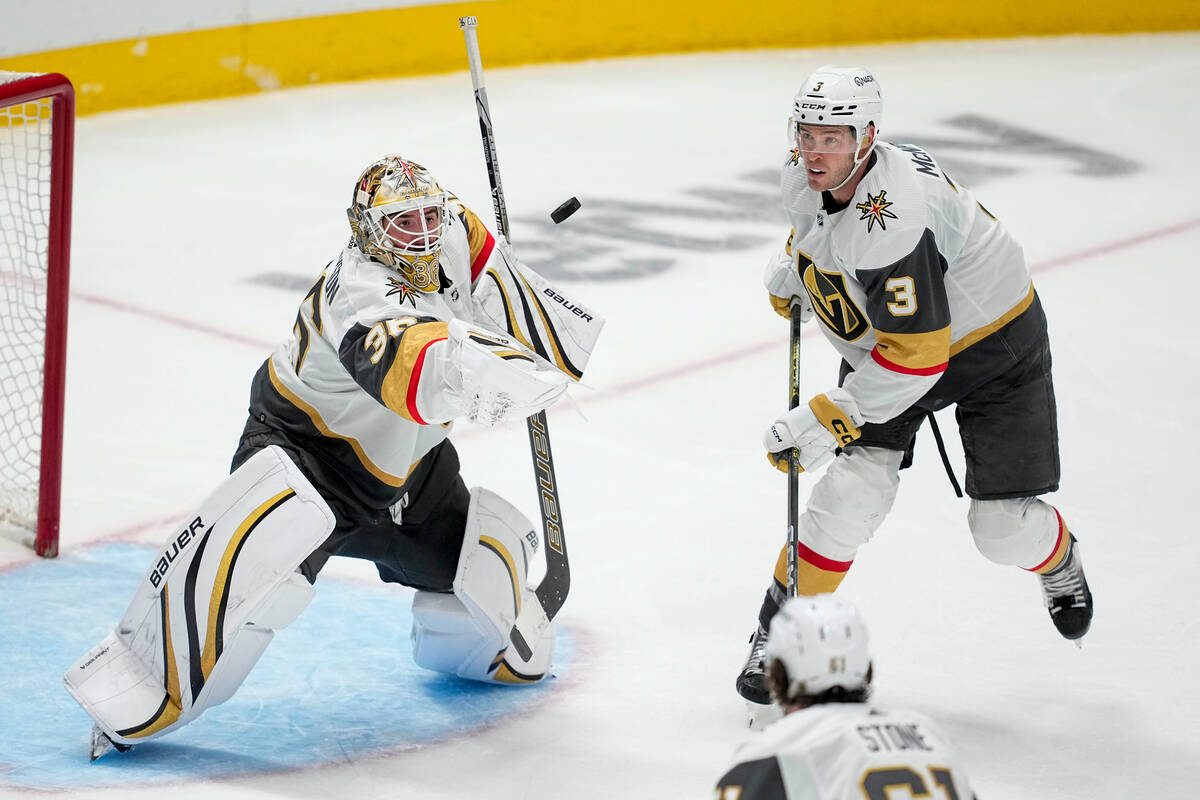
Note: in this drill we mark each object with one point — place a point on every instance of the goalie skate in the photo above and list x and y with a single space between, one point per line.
1068 598
101 744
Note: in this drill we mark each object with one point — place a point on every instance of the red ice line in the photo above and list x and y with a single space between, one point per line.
637 383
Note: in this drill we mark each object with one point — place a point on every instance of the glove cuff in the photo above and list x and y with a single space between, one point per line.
839 418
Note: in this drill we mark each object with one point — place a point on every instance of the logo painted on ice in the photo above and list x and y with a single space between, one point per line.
875 209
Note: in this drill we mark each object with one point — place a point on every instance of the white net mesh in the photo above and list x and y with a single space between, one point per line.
25 138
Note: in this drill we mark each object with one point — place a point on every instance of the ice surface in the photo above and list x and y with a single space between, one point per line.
198 228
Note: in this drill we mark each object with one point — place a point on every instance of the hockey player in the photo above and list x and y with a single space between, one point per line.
420 320
928 300
830 744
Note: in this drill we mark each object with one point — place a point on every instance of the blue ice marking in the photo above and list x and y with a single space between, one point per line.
336 684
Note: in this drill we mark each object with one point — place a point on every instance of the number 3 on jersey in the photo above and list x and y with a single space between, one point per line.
876 783
905 294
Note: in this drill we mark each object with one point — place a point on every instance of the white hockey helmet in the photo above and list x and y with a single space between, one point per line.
836 95
822 642
397 216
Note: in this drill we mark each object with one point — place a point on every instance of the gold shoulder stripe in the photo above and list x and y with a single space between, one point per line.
477 233
398 388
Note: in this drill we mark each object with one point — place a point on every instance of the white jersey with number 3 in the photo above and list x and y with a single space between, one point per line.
920 289
846 751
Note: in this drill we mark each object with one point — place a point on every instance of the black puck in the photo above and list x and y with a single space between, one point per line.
565 210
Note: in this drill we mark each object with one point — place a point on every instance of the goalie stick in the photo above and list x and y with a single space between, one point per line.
793 477
552 591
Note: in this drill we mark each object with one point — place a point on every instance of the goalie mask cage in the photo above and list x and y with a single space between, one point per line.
37 124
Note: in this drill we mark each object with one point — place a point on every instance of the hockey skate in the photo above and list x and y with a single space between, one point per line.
752 682
1067 596
101 744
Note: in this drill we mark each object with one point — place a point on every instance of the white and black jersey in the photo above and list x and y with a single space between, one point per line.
360 385
845 751
921 290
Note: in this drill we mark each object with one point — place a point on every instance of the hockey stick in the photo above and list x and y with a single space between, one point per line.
793 493
552 591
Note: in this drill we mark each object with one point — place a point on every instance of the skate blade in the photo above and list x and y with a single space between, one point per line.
101 744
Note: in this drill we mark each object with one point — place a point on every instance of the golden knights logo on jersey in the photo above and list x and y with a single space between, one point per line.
832 303
875 209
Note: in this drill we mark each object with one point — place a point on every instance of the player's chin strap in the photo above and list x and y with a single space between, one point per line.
859 160
937 435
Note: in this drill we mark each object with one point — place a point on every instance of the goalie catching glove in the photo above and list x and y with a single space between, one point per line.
785 287
829 421
494 378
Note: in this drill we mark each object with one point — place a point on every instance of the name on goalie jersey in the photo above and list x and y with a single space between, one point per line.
169 554
567 304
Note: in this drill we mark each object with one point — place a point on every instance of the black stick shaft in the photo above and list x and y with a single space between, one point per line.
552 591
793 478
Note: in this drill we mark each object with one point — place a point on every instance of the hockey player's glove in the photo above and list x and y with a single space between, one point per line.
494 378
785 287
829 421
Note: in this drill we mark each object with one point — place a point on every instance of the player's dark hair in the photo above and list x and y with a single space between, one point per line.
777 683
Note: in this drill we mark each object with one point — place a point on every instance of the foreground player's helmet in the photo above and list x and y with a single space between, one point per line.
822 644
838 96
397 216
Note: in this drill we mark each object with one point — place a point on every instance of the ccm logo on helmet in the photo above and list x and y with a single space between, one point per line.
817 106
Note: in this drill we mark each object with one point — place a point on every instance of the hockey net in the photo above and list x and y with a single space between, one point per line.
36 142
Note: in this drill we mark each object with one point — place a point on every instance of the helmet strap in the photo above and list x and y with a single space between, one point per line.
860 156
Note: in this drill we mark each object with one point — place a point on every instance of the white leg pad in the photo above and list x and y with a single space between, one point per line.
850 501
1019 532
209 604
467 633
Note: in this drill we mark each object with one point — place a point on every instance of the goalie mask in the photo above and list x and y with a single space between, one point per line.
397 217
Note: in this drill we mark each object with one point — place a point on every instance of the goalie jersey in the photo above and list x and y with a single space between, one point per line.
362 383
921 290
845 751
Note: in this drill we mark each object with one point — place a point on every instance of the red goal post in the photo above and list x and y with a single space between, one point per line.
37 132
